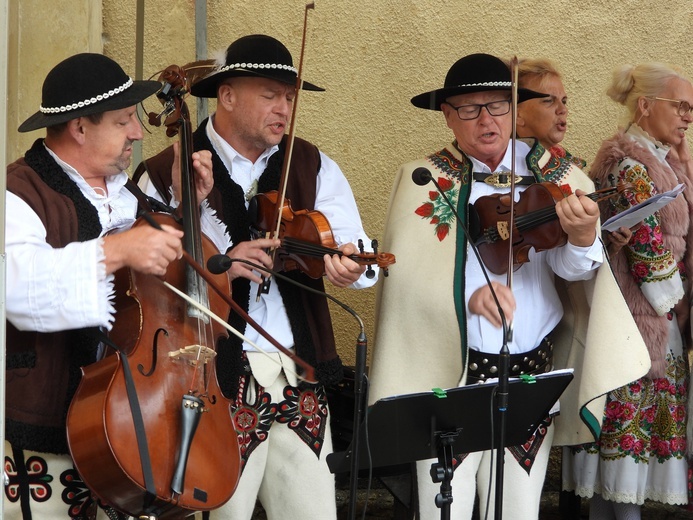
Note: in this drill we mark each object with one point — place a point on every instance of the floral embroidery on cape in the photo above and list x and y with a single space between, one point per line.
435 208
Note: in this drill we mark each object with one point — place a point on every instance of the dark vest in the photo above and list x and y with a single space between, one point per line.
308 313
43 369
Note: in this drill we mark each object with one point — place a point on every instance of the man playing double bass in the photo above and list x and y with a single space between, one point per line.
282 427
69 213
455 337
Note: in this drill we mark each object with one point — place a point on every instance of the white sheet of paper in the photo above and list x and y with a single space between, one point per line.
637 213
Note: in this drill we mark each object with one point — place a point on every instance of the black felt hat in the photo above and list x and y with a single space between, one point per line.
473 73
86 84
254 55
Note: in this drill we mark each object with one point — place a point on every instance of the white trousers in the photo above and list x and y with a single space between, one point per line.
55 490
285 475
521 492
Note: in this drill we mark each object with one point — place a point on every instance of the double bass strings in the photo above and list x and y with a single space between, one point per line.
228 327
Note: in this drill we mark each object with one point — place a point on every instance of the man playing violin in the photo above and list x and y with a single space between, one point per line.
456 336
70 206
283 427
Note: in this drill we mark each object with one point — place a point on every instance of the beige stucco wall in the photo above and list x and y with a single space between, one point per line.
42 33
372 57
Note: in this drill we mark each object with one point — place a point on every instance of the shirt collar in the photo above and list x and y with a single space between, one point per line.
655 147
521 148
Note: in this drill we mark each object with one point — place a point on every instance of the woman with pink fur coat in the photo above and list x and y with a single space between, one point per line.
641 452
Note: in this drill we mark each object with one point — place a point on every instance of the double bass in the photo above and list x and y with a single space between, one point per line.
149 429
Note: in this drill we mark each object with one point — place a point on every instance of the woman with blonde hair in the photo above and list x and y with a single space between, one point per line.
641 452
546 118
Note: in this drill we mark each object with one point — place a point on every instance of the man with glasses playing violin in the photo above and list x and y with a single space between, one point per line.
283 427
438 324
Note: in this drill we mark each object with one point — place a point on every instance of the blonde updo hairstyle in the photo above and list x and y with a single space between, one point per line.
539 68
631 82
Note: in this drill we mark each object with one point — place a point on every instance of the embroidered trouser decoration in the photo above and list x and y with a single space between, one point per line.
31 482
252 421
303 410
524 454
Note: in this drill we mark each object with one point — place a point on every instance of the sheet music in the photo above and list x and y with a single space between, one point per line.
637 213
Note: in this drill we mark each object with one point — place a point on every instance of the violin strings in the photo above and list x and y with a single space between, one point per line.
547 214
301 246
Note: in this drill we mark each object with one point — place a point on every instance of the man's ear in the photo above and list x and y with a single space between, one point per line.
75 127
226 95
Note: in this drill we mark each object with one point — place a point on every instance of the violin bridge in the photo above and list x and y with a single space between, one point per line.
193 354
502 227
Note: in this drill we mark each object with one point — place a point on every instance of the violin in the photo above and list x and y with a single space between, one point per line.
149 430
306 237
536 224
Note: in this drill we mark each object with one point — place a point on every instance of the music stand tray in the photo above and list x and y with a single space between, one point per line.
406 428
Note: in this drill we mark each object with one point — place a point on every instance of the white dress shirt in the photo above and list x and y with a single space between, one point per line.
539 308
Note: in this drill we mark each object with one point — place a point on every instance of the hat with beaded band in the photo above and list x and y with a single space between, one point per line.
86 84
254 55
473 73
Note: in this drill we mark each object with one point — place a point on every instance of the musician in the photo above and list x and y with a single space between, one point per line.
69 212
283 451
546 119
438 325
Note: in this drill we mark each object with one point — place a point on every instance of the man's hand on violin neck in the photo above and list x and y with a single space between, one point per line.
578 216
254 251
341 270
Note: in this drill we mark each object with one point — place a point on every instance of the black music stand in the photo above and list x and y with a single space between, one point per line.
406 428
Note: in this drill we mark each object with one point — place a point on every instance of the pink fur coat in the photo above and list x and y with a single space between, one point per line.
676 230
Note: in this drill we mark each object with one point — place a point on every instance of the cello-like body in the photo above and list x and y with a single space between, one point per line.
152 326
149 430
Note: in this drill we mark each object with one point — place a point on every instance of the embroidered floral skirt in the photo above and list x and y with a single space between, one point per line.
641 453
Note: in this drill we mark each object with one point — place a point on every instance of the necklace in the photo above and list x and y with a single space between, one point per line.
252 191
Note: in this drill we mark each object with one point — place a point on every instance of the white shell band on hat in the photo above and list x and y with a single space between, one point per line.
86 102
257 66
487 84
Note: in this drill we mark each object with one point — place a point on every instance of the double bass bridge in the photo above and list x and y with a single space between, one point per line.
193 354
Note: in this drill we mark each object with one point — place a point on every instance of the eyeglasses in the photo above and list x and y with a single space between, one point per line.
684 107
495 108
